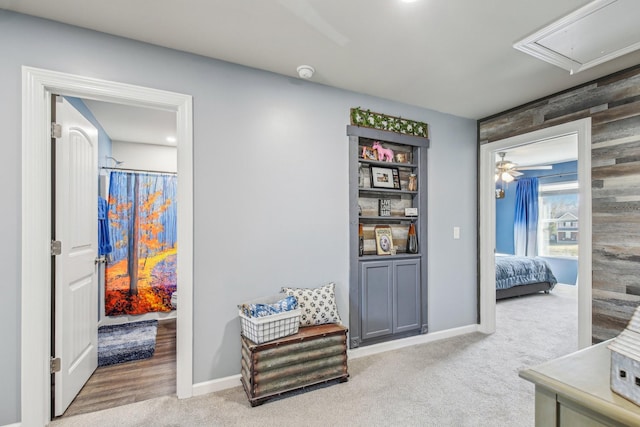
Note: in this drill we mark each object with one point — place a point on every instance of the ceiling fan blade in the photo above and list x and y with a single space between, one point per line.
514 172
539 167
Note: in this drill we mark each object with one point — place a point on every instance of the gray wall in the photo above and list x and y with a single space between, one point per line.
270 185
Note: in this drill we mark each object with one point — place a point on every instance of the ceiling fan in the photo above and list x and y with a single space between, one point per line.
507 171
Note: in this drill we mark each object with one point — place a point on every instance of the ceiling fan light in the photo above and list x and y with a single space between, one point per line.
506 177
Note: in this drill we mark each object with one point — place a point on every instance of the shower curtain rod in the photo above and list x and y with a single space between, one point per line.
138 170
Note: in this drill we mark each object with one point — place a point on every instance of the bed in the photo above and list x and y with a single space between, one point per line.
519 275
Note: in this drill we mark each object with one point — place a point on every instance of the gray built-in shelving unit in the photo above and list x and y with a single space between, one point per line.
387 293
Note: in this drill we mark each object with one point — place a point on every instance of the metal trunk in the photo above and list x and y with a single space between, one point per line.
314 355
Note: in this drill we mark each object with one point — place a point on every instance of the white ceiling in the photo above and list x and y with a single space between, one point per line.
134 124
453 56
547 152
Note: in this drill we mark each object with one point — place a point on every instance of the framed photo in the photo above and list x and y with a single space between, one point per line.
384 240
396 179
384 177
402 157
369 153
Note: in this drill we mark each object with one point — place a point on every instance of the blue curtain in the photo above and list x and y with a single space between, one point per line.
525 223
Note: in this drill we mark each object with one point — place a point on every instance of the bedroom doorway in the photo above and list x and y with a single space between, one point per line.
38 87
488 152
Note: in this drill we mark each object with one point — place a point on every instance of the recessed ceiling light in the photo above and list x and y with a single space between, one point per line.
171 139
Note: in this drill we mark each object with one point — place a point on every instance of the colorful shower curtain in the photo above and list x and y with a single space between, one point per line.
525 222
141 269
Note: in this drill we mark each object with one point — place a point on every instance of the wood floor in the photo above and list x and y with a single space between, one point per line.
129 382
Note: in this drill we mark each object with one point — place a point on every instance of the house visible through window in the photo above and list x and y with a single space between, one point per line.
558 219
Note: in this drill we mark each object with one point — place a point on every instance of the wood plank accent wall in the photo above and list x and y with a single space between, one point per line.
613 103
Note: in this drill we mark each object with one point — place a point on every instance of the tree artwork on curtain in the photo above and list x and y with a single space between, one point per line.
525 222
141 269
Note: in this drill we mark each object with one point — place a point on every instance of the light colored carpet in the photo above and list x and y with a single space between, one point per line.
470 380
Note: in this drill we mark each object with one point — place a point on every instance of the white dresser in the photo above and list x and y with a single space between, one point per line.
574 391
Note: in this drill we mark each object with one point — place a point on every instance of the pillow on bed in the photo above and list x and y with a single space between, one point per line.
318 305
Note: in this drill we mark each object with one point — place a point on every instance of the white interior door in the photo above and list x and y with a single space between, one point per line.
76 278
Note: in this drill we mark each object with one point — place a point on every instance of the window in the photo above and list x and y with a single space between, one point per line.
558 219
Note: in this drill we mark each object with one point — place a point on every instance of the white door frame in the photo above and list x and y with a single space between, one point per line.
37 87
488 222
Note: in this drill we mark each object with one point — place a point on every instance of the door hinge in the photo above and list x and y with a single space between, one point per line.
56 247
56 130
54 365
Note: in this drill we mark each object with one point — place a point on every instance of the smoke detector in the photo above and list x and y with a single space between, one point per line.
306 71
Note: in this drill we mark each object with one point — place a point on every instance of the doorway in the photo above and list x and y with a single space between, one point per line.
135 145
38 87
487 301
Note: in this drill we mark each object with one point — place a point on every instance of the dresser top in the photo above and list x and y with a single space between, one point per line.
584 377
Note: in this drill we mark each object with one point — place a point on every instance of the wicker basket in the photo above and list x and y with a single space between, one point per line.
268 328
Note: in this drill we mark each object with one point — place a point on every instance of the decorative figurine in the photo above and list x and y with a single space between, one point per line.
624 366
384 154
413 182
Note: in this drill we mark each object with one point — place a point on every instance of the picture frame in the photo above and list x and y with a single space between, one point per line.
410 211
384 240
369 153
384 177
401 157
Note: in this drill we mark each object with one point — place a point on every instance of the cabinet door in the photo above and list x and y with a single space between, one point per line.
406 292
377 296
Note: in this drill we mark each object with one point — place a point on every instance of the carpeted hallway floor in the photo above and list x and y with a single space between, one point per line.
470 380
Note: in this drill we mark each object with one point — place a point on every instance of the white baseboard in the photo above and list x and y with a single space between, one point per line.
12 425
218 384
234 380
409 341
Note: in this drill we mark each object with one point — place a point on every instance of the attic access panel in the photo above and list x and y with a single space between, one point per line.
596 33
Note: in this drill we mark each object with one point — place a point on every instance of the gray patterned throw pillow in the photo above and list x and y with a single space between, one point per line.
318 305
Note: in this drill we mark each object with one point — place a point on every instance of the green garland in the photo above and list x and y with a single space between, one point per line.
369 119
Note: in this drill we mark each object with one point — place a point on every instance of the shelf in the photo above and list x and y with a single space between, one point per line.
392 286
369 190
388 164
388 257
387 218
